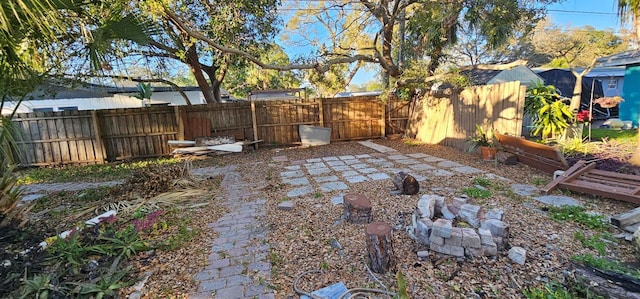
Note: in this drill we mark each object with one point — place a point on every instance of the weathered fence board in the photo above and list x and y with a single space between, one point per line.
56 138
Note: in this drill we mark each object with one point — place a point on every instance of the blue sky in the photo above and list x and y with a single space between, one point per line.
601 14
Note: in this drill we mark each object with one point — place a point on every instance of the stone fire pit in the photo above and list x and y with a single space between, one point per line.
434 224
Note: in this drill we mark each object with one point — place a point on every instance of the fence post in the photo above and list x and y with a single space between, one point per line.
176 110
321 111
382 121
254 123
98 137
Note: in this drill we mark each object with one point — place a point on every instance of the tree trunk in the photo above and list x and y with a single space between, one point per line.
406 183
357 209
196 69
380 248
577 94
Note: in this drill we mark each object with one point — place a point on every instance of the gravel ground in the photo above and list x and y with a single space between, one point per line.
301 239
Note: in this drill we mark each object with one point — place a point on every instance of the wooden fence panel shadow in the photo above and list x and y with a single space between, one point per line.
450 119
355 118
218 119
277 121
137 132
57 138
396 116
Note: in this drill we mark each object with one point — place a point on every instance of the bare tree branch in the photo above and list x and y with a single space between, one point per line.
320 67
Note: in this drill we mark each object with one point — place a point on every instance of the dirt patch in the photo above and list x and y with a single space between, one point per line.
312 237
304 239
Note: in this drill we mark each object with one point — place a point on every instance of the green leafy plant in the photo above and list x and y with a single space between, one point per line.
41 287
606 264
97 172
126 243
593 242
578 215
551 116
481 137
475 192
107 285
552 290
402 286
144 91
69 252
482 181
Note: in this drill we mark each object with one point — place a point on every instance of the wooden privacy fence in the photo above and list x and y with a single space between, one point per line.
90 137
451 119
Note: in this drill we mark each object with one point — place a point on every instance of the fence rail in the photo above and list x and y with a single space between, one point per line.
90 137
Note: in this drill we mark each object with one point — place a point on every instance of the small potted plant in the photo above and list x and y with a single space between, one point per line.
483 139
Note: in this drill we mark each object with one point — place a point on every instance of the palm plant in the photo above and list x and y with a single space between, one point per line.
33 35
550 115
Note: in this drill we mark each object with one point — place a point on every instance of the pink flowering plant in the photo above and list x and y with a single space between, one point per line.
583 116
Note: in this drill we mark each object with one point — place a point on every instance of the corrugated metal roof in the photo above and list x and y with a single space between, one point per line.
620 59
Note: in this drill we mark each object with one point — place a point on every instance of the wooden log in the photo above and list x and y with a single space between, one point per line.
380 248
506 158
357 208
406 183
626 219
607 283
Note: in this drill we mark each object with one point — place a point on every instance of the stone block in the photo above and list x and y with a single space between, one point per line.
426 206
422 230
496 214
448 249
500 242
470 214
496 227
436 240
473 252
456 237
286 205
440 203
459 201
518 255
457 251
489 250
470 238
447 213
442 228
485 236
423 255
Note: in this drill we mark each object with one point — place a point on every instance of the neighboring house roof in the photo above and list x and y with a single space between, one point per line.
605 72
82 90
565 81
519 73
276 94
620 59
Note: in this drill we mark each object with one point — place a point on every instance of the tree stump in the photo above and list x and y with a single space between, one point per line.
406 183
380 248
357 208
506 158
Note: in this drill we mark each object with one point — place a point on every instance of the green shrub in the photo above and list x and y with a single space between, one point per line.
578 215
